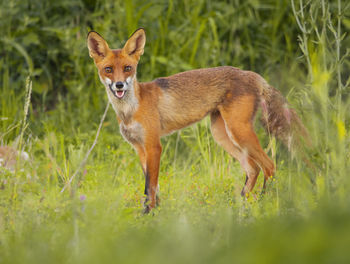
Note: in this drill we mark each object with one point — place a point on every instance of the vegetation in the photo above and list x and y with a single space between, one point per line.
299 46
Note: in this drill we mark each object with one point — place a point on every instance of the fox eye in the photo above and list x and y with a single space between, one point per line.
108 70
127 68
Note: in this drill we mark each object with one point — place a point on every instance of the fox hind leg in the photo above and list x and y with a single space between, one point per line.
220 135
238 116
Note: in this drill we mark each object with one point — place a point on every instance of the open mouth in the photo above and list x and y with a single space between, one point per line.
119 94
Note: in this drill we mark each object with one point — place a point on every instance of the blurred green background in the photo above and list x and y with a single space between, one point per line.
301 47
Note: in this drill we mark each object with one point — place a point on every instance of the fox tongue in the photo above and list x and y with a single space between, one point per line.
120 94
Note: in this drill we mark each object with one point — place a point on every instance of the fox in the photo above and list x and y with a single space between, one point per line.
147 111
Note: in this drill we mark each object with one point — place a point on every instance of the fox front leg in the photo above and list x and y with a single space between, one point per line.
142 155
153 152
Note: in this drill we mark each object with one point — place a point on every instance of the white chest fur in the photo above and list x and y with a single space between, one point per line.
132 132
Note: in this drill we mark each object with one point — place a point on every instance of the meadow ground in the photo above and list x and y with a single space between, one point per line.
53 115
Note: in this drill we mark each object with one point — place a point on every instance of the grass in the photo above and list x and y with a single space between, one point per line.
304 216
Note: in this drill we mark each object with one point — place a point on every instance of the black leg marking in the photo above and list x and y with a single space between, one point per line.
146 206
146 184
263 189
242 192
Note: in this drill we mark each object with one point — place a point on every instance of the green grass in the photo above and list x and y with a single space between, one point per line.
304 217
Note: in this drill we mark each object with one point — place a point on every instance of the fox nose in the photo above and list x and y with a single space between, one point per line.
119 85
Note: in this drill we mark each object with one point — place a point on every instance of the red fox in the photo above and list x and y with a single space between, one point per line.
147 111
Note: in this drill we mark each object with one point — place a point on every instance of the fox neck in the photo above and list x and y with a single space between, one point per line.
126 106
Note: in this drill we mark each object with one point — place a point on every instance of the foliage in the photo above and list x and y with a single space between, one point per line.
300 47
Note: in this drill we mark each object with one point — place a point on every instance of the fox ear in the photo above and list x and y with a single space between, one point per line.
135 44
98 47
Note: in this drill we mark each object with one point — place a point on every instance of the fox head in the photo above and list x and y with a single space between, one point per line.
117 67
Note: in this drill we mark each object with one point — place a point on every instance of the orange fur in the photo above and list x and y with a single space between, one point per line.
148 111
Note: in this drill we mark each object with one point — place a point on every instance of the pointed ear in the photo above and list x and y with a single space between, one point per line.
98 47
135 44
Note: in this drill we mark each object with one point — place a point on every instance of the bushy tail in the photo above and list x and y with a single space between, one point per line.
280 120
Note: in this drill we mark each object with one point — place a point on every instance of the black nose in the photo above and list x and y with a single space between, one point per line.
119 85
